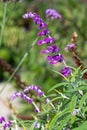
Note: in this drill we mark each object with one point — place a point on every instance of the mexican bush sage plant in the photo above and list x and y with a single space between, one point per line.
65 108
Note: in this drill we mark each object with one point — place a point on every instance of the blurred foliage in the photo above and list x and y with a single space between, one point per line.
19 34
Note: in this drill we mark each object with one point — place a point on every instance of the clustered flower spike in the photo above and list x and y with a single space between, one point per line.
53 14
24 95
52 50
6 124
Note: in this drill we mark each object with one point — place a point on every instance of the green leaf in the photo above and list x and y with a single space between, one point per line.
83 72
56 117
77 89
83 126
82 100
58 85
72 107
33 126
63 122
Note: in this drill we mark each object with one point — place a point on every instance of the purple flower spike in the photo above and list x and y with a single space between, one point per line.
55 59
53 14
2 119
51 49
7 125
44 32
28 15
66 71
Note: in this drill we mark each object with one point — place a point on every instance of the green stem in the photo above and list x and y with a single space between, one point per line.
20 63
3 23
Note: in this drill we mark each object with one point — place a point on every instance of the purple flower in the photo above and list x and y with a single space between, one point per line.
28 15
75 112
70 46
40 93
37 110
53 14
30 100
44 32
2 119
37 19
55 59
7 125
46 40
51 49
47 100
66 71
37 125
42 25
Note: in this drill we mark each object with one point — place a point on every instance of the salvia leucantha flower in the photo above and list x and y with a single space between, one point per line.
53 14
25 96
70 47
6 124
66 71
52 50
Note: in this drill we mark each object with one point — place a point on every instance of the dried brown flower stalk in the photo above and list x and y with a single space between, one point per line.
76 54
7 67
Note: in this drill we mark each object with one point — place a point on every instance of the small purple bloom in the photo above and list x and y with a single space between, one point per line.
70 46
28 15
7 125
47 100
37 19
53 14
44 32
66 71
55 59
37 110
51 49
40 93
42 25
2 119
30 100
46 40
75 112
37 125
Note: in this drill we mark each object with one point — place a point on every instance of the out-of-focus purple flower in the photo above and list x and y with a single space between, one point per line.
28 15
2 119
43 25
47 40
15 95
75 112
44 32
55 59
7 125
51 49
47 100
37 110
66 71
30 100
40 93
37 125
70 46
53 14
37 19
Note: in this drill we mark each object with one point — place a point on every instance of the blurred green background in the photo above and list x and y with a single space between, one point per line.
19 34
